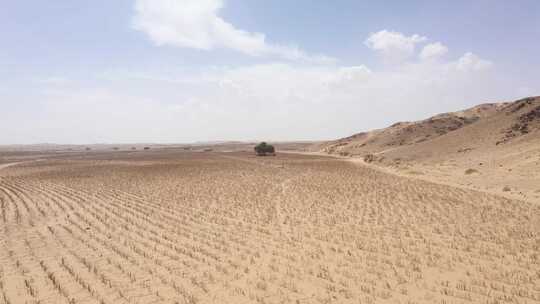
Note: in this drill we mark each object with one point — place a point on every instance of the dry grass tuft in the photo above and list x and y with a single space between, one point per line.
471 171
189 227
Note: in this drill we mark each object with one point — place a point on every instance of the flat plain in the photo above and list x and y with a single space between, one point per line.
191 227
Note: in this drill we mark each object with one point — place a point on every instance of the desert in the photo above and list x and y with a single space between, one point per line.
177 226
269 152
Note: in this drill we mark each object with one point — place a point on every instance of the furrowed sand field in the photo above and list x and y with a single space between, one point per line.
186 227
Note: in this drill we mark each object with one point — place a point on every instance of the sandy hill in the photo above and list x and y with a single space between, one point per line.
409 133
496 144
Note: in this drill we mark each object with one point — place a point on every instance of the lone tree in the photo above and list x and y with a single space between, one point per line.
264 149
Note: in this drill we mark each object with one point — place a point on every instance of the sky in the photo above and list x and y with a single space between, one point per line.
178 71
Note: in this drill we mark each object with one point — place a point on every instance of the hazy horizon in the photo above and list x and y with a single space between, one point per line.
213 142
184 71
227 141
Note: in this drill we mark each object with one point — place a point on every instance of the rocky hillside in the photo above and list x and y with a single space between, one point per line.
498 122
492 147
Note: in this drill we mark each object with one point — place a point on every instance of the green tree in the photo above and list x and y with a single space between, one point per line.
264 149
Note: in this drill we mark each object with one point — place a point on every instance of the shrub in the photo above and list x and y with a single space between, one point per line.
264 149
471 171
368 158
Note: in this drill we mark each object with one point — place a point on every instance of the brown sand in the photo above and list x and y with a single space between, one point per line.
491 147
184 227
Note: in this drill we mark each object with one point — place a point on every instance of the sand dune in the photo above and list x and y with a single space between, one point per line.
490 147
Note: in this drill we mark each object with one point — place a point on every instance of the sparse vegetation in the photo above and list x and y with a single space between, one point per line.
368 158
471 171
264 149
243 229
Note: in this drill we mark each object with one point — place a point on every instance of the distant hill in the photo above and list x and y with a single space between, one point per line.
488 124
498 143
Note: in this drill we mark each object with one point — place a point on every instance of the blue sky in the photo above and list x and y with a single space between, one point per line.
195 70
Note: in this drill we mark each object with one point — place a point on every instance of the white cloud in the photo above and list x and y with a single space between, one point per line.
433 51
266 101
394 47
280 101
471 62
197 24
354 75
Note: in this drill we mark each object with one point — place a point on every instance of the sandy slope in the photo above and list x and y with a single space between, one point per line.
169 227
495 148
